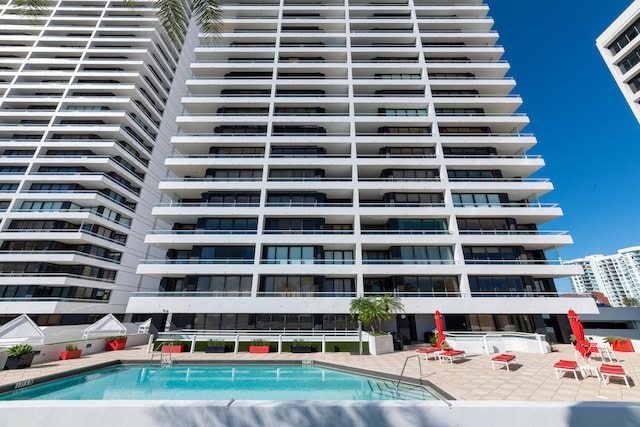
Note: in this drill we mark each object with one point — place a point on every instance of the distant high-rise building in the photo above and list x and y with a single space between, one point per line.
334 149
619 45
90 93
616 276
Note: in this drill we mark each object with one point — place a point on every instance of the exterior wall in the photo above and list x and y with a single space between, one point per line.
89 98
392 130
627 78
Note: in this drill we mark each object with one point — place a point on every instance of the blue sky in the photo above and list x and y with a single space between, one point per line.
586 132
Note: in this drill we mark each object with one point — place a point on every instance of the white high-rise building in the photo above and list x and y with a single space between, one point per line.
345 148
89 95
616 276
619 45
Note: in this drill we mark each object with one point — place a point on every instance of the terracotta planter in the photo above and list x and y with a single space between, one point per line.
19 362
113 345
258 349
172 348
70 354
623 346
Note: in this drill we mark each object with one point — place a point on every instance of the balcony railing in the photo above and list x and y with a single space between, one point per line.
197 261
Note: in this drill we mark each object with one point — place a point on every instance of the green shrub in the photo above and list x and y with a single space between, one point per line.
19 349
71 347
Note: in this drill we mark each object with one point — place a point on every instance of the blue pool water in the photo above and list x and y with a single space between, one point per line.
219 382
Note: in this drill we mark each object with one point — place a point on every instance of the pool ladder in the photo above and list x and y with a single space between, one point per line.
166 359
417 356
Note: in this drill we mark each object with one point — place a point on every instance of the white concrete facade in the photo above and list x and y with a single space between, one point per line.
89 95
348 148
619 45
616 276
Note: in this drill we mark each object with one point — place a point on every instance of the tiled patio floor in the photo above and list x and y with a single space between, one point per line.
472 379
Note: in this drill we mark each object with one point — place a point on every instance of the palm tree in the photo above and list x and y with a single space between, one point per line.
172 14
374 311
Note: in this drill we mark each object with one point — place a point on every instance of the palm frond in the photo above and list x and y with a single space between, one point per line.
32 8
208 16
173 18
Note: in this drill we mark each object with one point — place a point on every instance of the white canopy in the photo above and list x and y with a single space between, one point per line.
21 330
107 326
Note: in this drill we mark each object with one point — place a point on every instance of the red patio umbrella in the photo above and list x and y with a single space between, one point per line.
582 345
439 329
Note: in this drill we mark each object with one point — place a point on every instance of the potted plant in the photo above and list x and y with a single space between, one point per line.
116 342
71 352
172 347
619 343
259 346
214 346
20 356
300 346
373 311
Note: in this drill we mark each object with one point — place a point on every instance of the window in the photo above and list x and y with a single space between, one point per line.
496 284
417 224
296 173
470 175
469 151
397 76
230 285
228 253
290 286
8 188
489 254
338 257
236 151
298 130
462 200
626 37
295 199
230 199
403 112
229 224
12 170
459 111
422 254
630 61
234 174
410 174
291 254
472 129
303 150
414 286
294 224
486 224
240 130
418 130
414 198
407 151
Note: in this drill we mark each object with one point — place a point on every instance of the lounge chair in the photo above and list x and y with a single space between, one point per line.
608 370
566 366
452 354
429 351
503 359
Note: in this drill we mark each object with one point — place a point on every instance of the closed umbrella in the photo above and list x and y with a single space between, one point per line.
439 329
582 345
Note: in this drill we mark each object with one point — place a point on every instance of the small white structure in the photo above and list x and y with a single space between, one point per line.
21 330
107 326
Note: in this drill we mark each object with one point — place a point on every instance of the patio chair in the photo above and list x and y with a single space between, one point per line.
608 370
429 351
452 354
566 366
504 360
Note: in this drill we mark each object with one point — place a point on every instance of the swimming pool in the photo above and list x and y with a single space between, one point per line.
219 382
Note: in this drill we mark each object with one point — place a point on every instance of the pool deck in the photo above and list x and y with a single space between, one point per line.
472 379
